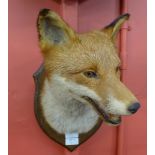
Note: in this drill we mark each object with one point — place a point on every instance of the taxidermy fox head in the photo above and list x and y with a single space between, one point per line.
83 68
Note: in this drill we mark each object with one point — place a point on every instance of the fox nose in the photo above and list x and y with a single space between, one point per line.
134 107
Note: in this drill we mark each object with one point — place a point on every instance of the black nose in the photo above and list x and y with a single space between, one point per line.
134 107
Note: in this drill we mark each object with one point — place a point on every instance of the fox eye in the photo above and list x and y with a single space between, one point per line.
90 74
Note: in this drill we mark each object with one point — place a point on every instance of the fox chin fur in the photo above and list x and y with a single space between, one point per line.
65 111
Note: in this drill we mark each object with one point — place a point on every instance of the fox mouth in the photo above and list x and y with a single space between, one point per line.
108 118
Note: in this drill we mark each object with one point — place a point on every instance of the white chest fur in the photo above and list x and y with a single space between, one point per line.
62 111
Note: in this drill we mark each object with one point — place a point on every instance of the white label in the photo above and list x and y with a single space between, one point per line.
71 139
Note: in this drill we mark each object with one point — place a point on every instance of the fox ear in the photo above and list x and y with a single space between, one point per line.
113 28
52 29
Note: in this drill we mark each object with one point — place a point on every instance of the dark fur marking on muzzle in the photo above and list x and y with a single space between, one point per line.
96 106
101 112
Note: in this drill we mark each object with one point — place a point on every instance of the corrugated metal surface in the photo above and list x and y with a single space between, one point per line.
25 136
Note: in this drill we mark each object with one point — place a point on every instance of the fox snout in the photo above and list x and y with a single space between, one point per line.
116 119
119 99
113 100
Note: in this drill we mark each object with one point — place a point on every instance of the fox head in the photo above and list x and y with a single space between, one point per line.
86 64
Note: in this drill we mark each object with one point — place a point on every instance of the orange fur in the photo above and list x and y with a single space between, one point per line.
75 54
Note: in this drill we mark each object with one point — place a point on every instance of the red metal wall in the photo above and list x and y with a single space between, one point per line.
25 136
